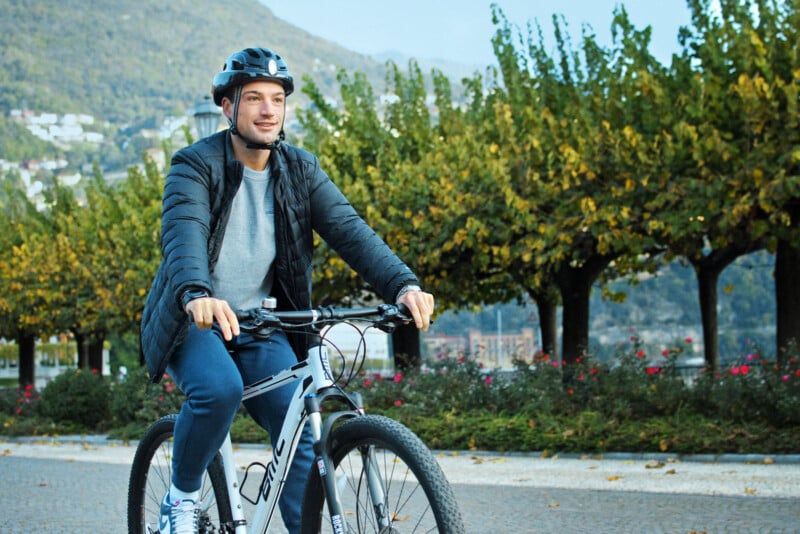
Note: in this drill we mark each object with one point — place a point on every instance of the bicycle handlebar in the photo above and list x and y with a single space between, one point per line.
386 317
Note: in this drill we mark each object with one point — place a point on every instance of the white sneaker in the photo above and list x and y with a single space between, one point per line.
179 517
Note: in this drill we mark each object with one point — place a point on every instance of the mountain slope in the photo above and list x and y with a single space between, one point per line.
122 60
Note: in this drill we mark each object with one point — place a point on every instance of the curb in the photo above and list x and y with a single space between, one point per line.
785 459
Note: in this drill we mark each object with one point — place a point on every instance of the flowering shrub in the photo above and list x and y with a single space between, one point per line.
753 388
78 397
639 400
19 401
139 402
635 401
453 383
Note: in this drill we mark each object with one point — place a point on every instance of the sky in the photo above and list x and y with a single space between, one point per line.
461 30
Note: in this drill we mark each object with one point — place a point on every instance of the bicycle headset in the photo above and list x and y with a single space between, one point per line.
250 65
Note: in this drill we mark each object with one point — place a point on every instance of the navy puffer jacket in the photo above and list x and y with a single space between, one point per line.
198 193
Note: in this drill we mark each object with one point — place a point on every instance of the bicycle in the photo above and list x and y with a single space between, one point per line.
371 473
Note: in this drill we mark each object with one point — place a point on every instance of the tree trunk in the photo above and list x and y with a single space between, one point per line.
406 347
26 347
575 284
547 306
95 353
83 350
575 293
787 297
707 279
708 268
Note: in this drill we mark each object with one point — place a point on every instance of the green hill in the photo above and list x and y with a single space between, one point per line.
127 60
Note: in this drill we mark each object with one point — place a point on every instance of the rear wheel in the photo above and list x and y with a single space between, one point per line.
150 479
406 490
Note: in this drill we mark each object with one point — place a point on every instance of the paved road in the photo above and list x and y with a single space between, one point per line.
81 487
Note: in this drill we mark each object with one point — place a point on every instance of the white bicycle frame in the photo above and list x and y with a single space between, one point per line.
315 366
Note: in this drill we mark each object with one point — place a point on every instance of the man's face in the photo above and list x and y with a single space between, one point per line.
262 107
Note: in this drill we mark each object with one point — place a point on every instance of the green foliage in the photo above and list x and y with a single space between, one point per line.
77 397
637 403
18 144
20 401
136 403
634 403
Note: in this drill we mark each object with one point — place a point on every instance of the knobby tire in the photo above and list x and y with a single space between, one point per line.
419 498
150 478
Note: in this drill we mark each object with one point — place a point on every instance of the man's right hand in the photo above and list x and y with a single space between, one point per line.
206 310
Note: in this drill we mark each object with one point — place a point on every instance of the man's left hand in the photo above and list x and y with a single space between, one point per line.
421 305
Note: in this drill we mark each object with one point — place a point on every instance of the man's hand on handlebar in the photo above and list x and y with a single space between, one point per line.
420 304
207 310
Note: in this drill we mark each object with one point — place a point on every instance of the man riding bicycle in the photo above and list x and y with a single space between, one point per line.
238 213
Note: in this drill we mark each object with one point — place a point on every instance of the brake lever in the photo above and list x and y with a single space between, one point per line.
393 316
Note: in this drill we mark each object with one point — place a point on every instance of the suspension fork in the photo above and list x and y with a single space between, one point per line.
377 490
325 466
324 463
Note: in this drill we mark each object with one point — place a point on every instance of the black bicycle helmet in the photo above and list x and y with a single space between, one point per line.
249 65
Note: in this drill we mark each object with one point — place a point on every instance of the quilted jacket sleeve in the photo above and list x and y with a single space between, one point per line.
186 223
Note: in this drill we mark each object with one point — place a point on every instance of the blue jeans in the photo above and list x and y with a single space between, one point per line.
212 374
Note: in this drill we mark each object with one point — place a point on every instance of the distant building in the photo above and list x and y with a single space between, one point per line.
486 347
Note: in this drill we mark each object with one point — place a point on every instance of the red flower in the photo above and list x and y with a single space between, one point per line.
640 354
688 340
367 383
744 369
652 370
398 377
570 391
665 352
488 380
398 402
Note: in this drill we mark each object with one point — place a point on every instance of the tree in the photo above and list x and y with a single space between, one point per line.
735 85
583 137
25 298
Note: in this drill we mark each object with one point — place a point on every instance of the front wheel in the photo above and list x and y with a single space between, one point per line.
388 481
151 474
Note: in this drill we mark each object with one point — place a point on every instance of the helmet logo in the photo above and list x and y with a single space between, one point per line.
272 66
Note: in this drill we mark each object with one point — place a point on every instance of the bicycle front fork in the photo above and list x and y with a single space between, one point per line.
327 469
325 465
